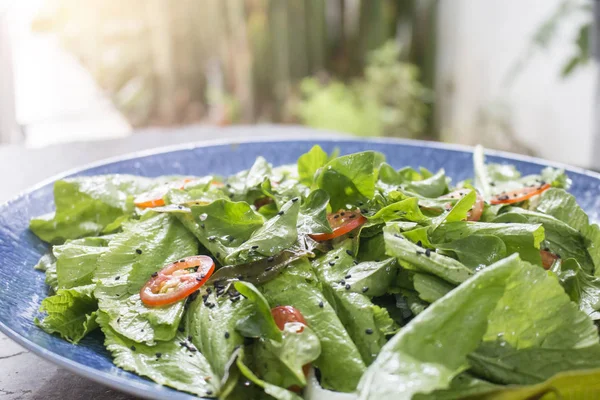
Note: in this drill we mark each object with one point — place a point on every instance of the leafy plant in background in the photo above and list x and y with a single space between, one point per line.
389 100
548 31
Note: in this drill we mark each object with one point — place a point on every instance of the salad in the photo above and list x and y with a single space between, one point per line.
337 277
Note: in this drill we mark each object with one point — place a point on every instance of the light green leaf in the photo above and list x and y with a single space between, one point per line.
524 239
276 235
476 250
309 163
582 288
86 205
280 362
411 256
406 210
166 363
433 186
76 261
260 323
431 288
122 272
340 362
349 179
71 313
313 213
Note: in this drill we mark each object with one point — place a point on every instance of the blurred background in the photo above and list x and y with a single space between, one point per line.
515 75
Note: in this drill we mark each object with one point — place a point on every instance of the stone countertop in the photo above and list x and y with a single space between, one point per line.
24 375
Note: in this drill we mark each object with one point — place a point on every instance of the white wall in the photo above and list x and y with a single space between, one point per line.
478 43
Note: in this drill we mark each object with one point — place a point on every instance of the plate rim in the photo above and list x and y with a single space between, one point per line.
144 389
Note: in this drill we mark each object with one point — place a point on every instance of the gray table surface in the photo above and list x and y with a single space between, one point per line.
24 375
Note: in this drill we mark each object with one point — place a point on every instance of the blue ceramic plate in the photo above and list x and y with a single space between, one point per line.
22 288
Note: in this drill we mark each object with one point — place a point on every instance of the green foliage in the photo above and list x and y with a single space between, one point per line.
388 101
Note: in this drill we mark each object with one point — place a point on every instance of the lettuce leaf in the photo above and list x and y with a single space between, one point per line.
411 256
143 248
431 187
70 313
511 306
524 239
309 163
76 261
47 263
582 288
86 206
349 180
563 206
340 362
313 213
167 363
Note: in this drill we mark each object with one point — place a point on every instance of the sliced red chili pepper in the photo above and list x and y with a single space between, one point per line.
341 223
548 258
519 195
154 197
177 280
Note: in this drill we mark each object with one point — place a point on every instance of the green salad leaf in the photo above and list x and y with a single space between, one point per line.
76 261
70 313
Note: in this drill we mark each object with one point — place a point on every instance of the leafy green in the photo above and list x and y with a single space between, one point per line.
47 263
276 235
482 179
560 238
273 391
167 363
76 261
476 250
313 213
406 210
582 288
523 317
433 186
563 206
281 362
309 163
71 313
430 288
86 205
260 322
524 239
349 180
411 256
340 362
122 271
212 326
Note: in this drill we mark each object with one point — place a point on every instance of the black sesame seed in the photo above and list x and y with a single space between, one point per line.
342 282
202 226
337 257
226 335
352 216
295 199
355 262
139 251
369 331
365 289
254 247
332 263
349 252
117 278
270 259
212 238
347 286
348 276
420 244
189 338
132 348
360 203
336 216
208 290
321 304
209 392
268 269
154 275
428 252
158 355
280 213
